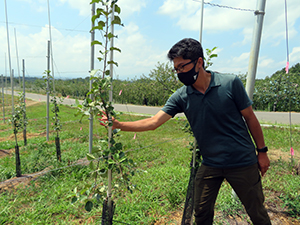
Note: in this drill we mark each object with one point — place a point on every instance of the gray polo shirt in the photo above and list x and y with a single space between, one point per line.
216 120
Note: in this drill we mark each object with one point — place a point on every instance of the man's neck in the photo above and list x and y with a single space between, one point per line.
203 81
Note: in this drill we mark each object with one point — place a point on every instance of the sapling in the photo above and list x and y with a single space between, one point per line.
107 156
56 101
18 121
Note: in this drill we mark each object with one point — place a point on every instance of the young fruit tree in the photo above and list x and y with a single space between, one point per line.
107 157
18 122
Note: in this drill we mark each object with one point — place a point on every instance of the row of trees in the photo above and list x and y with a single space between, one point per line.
279 92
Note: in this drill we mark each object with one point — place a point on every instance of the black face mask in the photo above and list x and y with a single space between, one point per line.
189 77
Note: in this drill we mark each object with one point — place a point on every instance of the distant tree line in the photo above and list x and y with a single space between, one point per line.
279 92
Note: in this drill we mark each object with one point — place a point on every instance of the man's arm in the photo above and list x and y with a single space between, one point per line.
141 125
257 134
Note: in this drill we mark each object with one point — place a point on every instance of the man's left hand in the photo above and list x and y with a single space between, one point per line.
263 162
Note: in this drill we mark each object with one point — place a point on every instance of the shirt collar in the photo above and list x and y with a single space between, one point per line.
214 82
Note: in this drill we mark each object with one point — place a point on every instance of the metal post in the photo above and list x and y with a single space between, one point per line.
48 69
8 46
12 92
24 129
253 58
5 86
110 206
17 57
201 21
50 34
3 102
91 81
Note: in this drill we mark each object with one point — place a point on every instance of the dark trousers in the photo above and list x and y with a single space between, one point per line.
245 181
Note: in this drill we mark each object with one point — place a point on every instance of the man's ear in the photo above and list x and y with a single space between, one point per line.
200 62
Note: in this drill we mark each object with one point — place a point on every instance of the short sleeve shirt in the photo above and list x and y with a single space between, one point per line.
216 120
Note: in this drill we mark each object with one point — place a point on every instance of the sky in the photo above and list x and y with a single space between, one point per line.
150 29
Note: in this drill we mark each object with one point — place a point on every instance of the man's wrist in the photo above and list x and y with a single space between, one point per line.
264 149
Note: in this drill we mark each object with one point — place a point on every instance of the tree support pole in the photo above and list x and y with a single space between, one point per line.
109 200
91 81
24 129
48 91
3 102
253 58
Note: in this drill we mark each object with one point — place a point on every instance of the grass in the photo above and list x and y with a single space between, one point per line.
162 160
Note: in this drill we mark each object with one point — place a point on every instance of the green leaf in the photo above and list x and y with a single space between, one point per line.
93 72
91 165
112 62
90 156
96 42
117 20
114 48
95 149
94 1
88 206
74 199
213 55
110 35
117 9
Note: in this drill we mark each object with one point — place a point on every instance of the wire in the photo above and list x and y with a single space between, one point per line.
227 7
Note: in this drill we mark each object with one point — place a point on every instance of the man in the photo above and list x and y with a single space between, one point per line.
220 114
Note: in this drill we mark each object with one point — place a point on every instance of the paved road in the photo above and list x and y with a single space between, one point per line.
264 117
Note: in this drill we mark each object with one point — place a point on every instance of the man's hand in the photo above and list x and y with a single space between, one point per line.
263 162
104 121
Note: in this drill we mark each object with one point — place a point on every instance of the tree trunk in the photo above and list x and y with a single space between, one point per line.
57 144
24 137
18 161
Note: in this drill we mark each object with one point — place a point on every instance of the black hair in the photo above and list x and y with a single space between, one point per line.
186 48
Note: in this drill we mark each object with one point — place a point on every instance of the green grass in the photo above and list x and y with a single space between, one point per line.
162 160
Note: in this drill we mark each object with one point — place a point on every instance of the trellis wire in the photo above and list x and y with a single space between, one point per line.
226 7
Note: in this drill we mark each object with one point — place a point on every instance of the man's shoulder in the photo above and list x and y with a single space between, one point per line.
225 76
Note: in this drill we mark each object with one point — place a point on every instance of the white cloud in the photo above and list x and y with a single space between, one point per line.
127 6
70 53
215 18
218 19
37 5
82 5
266 62
295 55
138 55
242 58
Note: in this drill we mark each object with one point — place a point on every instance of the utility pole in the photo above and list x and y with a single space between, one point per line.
91 81
253 58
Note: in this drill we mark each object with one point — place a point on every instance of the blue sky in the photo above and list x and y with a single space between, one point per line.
151 28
